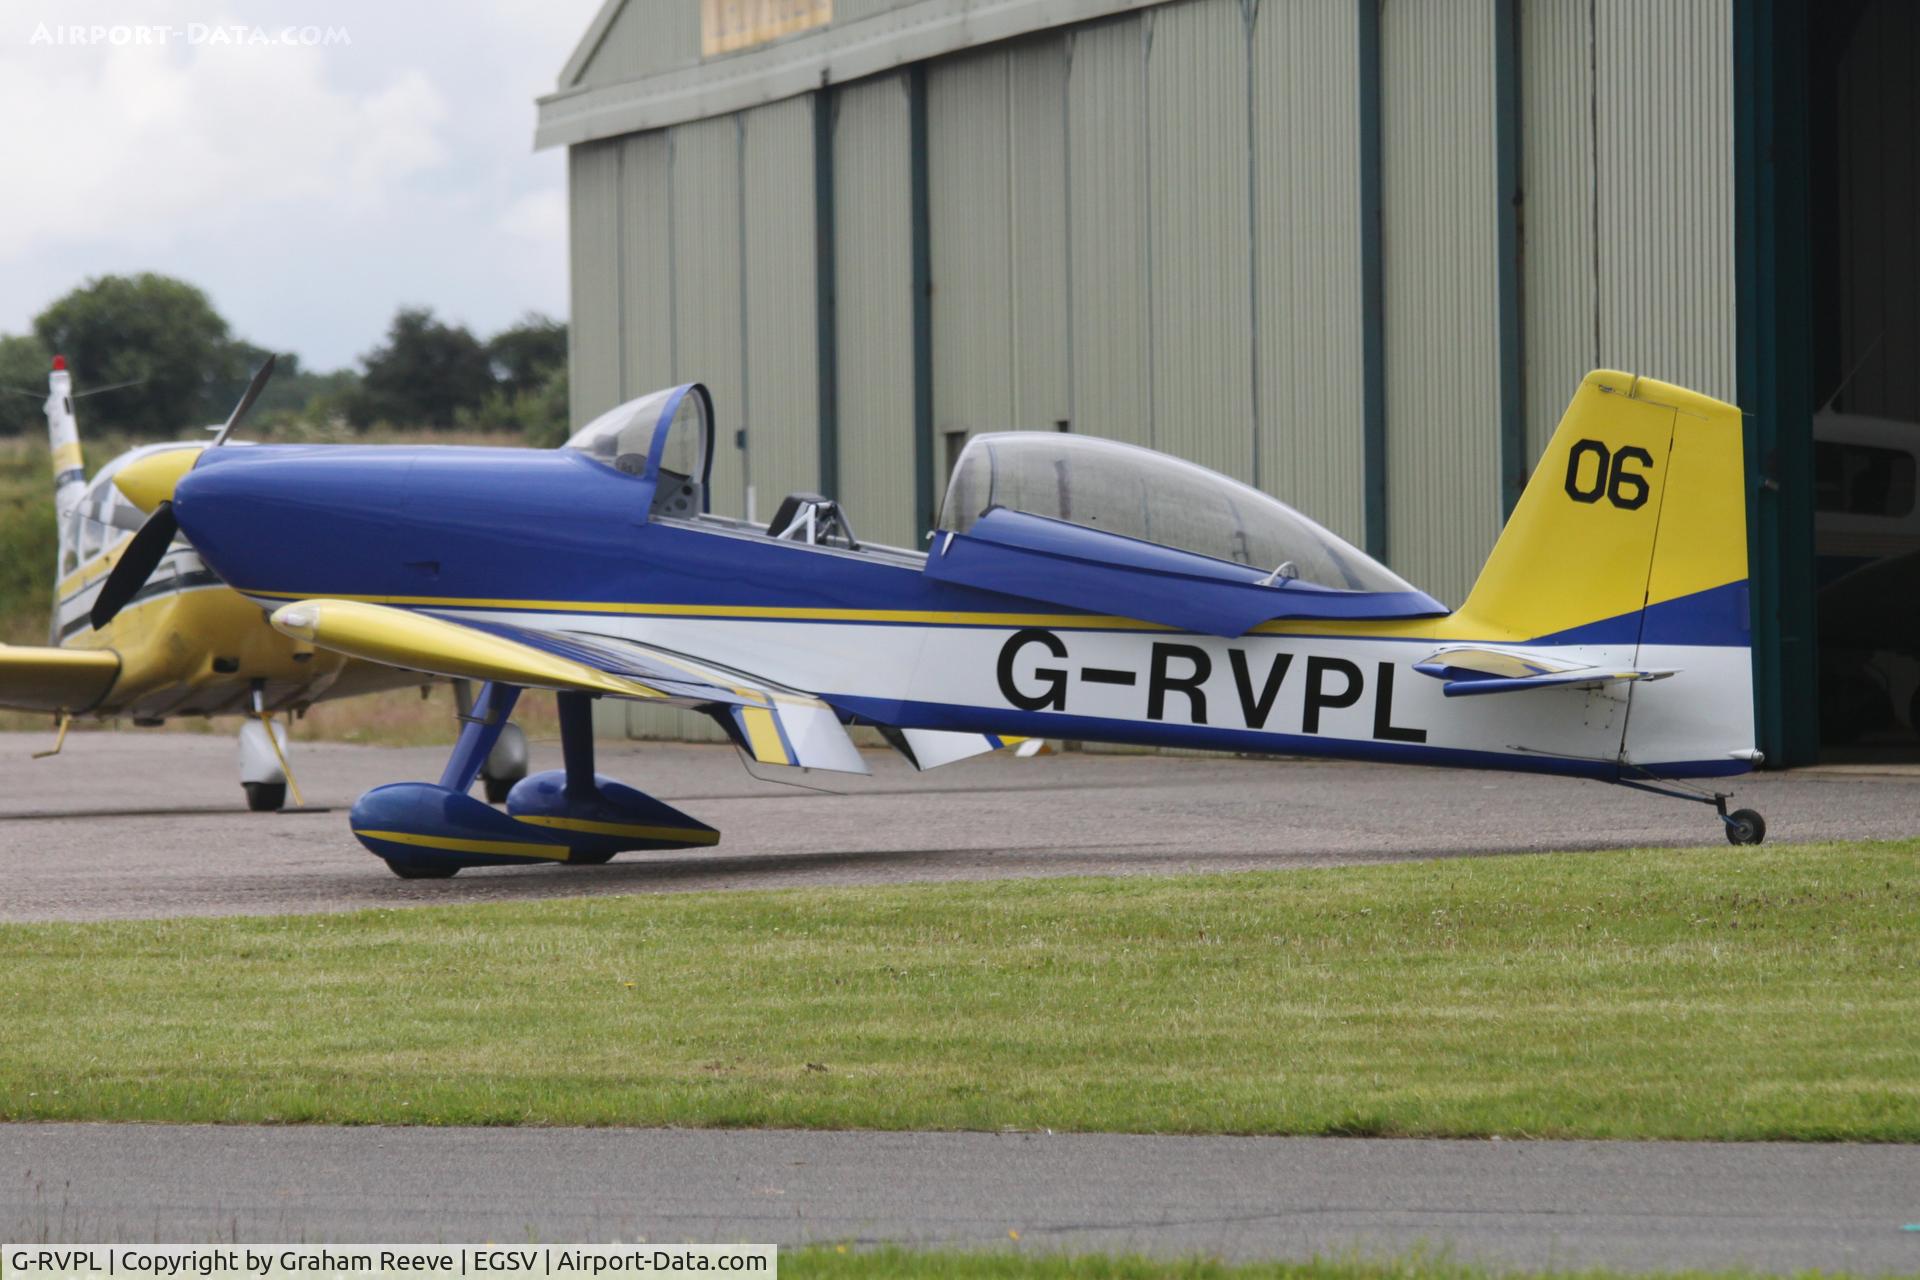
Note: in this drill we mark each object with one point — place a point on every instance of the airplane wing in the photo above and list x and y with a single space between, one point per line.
1476 669
775 724
33 678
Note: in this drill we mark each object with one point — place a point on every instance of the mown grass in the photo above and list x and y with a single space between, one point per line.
1749 993
911 1264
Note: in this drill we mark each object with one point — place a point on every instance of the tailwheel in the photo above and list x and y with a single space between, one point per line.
1745 826
422 870
265 797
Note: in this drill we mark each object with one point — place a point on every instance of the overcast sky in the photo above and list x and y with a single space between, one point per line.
309 184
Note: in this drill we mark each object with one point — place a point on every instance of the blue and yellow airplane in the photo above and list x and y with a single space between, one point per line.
185 644
1074 588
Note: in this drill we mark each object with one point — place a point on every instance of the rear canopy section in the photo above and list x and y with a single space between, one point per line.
1112 528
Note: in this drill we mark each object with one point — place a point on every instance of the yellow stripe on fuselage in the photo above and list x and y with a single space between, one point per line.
1449 627
690 835
499 848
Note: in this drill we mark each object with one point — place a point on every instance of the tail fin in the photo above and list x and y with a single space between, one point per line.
1633 528
63 434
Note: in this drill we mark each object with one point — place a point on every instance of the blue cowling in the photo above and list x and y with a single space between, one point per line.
427 827
612 818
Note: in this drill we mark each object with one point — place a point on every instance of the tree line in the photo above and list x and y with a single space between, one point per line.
184 367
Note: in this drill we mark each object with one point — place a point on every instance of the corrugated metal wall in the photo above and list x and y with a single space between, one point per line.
782 405
1306 165
1664 106
1037 162
1561 336
1198 234
647 36
709 326
647 270
593 247
1440 283
997 187
874 306
970 230
1108 299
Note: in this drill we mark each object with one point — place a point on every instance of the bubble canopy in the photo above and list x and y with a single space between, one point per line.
1150 497
665 438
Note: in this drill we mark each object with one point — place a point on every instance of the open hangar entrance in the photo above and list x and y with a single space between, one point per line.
1828 120
1864 207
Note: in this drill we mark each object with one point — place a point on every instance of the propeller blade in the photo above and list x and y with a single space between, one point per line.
136 564
111 386
149 546
254 389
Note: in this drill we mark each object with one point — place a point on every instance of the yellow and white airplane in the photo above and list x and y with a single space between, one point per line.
187 645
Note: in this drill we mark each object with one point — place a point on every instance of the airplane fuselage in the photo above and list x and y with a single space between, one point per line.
555 541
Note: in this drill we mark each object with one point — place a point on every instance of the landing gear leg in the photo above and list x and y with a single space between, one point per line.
265 774
1744 826
506 764
576 750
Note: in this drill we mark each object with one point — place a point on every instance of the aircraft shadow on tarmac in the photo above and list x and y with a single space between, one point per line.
183 811
563 879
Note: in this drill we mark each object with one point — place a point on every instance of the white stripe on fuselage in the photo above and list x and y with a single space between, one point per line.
1297 687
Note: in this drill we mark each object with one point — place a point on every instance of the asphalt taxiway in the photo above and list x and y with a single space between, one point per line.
143 825
1629 1205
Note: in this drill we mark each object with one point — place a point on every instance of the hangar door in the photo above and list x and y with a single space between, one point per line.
1864 210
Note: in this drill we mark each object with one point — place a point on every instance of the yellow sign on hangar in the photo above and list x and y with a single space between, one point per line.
727 26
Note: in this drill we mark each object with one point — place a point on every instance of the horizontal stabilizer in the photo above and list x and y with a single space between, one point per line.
1476 669
33 678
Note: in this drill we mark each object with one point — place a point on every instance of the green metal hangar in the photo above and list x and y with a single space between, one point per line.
1357 252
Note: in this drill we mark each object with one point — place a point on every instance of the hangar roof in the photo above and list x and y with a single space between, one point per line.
646 64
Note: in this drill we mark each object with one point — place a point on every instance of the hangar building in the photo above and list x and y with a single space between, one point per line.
1356 252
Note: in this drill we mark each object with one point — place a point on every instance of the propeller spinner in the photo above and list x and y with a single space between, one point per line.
149 545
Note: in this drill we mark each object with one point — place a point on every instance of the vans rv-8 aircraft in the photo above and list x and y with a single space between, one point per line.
185 644
1074 588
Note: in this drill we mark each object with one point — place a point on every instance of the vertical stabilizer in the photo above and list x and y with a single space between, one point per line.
1637 510
63 434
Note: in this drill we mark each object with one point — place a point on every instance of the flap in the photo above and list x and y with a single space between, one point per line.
930 748
33 678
